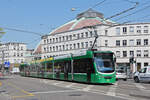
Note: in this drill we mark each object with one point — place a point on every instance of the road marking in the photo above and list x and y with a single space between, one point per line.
57 83
112 90
0 84
88 88
139 86
68 86
25 92
47 92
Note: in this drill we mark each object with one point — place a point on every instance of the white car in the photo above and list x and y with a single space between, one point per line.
121 74
143 75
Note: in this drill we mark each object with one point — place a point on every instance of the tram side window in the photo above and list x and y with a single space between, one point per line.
83 66
49 67
63 66
59 67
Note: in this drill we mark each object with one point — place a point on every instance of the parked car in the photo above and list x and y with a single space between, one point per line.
121 74
143 75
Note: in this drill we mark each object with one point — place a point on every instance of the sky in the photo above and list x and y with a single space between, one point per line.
42 16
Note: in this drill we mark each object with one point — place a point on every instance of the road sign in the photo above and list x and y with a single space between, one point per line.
7 64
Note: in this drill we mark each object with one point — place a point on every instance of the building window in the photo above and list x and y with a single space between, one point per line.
117 42
124 53
78 44
44 41
138 53
74 35
82 44
56 39
78 36
118 53
106 42
146 53
145 29
118 31
53 48
50 40
21 48
106 32
91 43
145 64
63 47
131 42
70 46
138 29
138 42
53 40
44 49
67 47
124 42
60 47
63 38
91 33
59 39
47 40
47 49
74 46
56 48
145 41
21 54
124 30
86 44
131 29
50 48
70 36
131 53
82 35
66 38
18 54
86 34
95 32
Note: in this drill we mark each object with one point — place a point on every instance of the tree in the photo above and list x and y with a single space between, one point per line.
1 32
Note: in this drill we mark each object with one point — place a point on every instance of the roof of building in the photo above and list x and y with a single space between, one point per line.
86 18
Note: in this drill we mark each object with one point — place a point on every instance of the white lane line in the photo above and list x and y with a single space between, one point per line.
70 85
112 90
88 88
139 86
47 92
57 83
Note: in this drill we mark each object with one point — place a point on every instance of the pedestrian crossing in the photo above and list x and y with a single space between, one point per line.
119 89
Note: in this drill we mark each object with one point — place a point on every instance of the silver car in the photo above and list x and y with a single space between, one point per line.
121 74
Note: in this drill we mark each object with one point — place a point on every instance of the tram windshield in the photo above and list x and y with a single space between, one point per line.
104 62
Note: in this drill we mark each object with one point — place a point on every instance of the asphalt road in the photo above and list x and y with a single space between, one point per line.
16 87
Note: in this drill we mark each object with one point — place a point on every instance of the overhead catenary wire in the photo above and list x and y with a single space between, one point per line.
118 14
134 12
99 3
20 30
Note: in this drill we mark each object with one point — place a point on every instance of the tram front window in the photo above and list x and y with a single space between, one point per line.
104 65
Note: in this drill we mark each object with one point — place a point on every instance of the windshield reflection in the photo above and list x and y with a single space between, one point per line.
104 65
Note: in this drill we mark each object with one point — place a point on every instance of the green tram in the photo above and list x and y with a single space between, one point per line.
87 66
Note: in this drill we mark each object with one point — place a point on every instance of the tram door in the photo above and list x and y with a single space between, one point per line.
88 73
66 70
